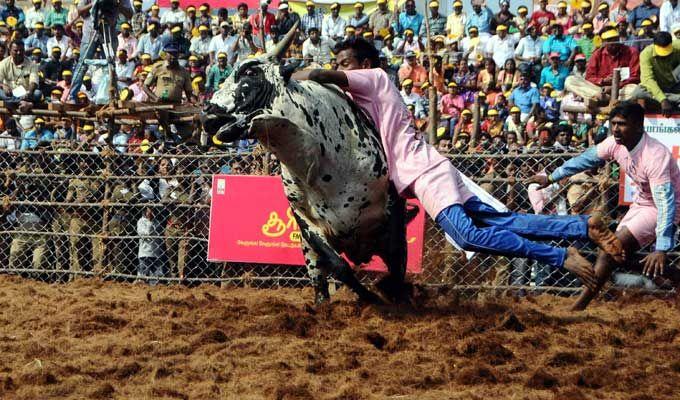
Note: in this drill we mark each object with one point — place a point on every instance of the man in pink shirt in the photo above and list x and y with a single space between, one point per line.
417 169
655 209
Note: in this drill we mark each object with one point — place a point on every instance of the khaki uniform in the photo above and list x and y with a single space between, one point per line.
178 225
81 248
118 252
14 75
26 245
169 83
60 224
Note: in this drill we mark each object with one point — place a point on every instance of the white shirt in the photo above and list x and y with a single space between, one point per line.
221 44
333 28
63 44
149 247
7 142
173 17
416 101
33 16
668 16
529 47
501 49
200 45
320 52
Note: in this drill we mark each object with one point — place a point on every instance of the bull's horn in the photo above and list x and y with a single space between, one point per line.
277 52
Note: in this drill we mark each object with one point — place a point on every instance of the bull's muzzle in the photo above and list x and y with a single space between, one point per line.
217 121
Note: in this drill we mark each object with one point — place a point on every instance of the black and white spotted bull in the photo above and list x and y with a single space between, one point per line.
333 168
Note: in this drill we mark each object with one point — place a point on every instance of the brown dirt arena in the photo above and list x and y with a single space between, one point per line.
100 340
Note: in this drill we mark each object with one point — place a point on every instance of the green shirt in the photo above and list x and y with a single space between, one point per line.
56 17
216 76
586 45
657 72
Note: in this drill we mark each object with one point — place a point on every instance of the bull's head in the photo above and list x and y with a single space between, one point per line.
247 93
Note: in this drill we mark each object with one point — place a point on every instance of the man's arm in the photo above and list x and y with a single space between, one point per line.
322 76
586 160
664 199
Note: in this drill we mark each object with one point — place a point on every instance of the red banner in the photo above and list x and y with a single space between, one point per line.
251 222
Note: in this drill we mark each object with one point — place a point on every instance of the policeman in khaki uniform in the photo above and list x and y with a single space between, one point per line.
119 223
178 225
83 221
168 79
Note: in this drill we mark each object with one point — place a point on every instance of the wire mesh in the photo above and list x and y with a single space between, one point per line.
129 217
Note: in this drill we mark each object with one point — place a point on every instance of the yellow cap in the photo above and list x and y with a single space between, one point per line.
358 5
148 69
350 29
309 3
368 34
37 1
425 85
79 23
501 27
176 29
457 4
602 117
587 25
466 112
203 8
56 1
197 79
137 3
434 4
441 131
125 25
646 22
56 49
492 112
548 85
39 121
76 51
193 58
408 31
473 29
562 4
191 8
515 109
602 6
56 92
146 56
121 52
12 21
66 72
585 4
39 25
381 1
203 28
155 7
145 146
150 27
663 51
221 55
452 84
522 9
481 94
387 37
82 95
87 78
36 51
407 82
609 34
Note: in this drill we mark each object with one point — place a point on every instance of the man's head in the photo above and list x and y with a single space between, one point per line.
67 76
603 9
588 29
225 28
543 4
137 4
222 59
176 31
122 56
382 5
356 54
243 9
434 8
37 4
411 58
562 8
502 31
407 86
663 44
264 5
545 137
522 11
580 61
152 28
452 88
555 59
310 7
58 31
564 134
125 29
546 89
314 35
457 7
171 55
358 9
410 7
557 29
473 31
283 9
56 4
626 123
16 51
610 40
335 10
174 4
247 29
191 12
204 31
56 53
525 80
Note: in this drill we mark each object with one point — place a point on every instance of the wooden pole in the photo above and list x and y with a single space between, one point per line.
433 117
476 117
616 82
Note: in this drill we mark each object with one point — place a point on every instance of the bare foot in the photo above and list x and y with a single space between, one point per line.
605 239
578 265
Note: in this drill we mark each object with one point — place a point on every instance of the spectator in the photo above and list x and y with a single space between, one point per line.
334 25
411 98
58 39
38 39
560 43
124 69
473 47
126 41
175 15
436 20
317 48
261 22
555 73
481 18
504 16
492 125
138 19
65 84
659 82
669 15
18 77
379 20
180 42
241 16
359 20
200 45
150 246
413 71
456 22
644 11
408 19
409 44
245 44
35 15
514 125
645 36
562 17
620 13
313 18
525 96
521 21
548 103
150 43
452 104
501 46
57 15
508 78
542 17
529 50
596 85
222 43
588 41
601 20
579 69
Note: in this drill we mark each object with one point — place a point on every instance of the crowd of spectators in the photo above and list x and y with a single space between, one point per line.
540 78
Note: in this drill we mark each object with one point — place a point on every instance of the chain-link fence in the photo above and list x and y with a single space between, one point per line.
137 216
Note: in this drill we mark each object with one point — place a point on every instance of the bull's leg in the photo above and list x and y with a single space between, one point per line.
394 251
316 275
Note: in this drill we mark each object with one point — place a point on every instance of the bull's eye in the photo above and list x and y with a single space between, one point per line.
249 72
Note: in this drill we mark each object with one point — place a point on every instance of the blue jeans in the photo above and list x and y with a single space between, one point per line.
476 226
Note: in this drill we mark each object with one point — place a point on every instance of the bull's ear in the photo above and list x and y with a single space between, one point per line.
277 53
286 70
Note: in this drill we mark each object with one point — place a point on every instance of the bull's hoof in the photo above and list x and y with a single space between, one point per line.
321 296
395 290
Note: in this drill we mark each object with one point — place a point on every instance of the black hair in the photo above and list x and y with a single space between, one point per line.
663 39
362 50
564 128
244 5
629 110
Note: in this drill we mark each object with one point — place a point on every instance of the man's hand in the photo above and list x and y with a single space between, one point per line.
654 264
666 108
541 180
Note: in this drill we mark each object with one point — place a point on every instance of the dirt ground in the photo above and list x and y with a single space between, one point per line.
98 340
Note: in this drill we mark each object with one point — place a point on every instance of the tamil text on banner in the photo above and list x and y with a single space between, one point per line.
251 222
666 131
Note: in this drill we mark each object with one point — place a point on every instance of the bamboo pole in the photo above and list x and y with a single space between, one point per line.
616 83
433 117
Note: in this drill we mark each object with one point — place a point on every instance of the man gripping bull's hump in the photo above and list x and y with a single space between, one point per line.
417 169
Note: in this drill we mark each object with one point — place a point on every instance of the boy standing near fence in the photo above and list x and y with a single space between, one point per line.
416 168
150 251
